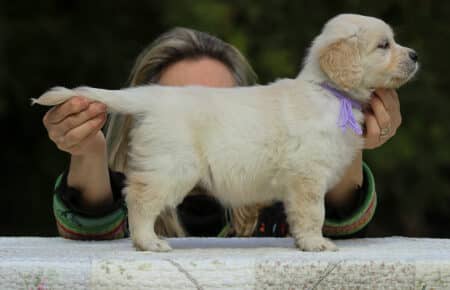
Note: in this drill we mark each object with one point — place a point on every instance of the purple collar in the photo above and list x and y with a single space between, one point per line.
346 117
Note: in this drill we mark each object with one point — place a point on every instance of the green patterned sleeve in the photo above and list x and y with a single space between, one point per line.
72 224
348 224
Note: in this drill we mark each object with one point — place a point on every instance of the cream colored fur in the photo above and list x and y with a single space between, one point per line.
253 144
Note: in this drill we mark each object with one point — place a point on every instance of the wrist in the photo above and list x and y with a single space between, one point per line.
94 147
89 174
345 192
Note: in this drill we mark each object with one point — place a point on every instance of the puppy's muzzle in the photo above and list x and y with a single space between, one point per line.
411 64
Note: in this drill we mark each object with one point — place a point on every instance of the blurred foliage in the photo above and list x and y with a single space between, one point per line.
46 43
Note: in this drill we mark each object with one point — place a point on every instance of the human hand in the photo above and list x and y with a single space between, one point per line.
74 126
382 118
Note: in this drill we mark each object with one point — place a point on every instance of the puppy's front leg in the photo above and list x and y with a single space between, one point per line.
305 212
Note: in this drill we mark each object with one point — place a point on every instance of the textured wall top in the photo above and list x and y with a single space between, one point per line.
211 263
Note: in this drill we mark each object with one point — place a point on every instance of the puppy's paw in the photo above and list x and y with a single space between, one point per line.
154 245
315 244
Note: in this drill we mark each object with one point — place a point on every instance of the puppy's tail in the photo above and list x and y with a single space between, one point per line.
115 100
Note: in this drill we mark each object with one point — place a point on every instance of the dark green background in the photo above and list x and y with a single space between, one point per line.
71 43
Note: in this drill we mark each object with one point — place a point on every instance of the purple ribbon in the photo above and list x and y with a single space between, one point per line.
346 117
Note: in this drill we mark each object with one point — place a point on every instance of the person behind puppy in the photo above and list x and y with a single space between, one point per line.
88 203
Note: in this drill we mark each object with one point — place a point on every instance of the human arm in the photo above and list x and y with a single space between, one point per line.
85 204
345 200
75 127
382 114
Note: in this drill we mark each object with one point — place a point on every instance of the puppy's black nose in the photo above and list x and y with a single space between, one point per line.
413 55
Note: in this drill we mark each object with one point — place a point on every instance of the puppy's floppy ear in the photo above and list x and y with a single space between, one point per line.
341 62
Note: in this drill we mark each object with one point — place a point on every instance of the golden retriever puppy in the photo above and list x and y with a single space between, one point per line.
290 140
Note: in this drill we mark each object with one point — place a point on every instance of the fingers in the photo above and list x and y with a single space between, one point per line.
74 123
389 98
75 120
372 133
382 119
391 103
77 135
382 116
60 112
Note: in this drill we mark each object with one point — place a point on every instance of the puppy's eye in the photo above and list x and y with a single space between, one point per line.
384 45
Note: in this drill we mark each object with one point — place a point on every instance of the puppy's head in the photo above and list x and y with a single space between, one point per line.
359 53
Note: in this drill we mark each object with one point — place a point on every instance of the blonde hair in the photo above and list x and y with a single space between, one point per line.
172 46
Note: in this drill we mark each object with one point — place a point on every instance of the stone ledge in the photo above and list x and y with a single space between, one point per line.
232 263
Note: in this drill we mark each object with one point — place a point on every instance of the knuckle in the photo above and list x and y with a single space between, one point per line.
54 135
76 104
97 108
51 135
62 141
61 147
71 106
49 116
91 111
45 119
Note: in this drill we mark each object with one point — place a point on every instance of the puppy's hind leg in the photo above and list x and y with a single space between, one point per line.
147 195
305 210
